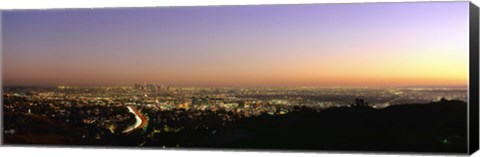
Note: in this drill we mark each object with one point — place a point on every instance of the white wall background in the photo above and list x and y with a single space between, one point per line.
83 152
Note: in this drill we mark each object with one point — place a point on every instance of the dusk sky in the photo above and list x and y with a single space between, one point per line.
342 45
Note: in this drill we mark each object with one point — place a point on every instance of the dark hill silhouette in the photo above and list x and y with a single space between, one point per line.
38 130
433 127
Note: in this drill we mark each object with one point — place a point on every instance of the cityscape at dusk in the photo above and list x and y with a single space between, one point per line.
383 76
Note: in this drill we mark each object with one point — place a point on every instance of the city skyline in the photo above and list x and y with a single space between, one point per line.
345 45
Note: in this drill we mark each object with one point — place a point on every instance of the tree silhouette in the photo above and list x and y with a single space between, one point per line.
360 103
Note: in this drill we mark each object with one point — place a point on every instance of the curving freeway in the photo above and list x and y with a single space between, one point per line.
140 120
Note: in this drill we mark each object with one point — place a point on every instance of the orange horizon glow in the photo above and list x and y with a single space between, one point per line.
299 45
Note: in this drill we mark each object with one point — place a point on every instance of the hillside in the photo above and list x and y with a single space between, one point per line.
433 127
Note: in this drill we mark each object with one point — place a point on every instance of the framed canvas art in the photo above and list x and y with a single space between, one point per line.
368 77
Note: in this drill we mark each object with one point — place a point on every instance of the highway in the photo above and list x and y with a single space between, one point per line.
140 120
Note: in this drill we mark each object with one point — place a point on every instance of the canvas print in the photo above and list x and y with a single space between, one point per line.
309 77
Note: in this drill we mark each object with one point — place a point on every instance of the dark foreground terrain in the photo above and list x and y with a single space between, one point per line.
433 127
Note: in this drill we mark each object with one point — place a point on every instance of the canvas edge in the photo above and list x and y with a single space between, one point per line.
473 110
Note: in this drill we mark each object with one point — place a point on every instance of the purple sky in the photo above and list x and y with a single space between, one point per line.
377 44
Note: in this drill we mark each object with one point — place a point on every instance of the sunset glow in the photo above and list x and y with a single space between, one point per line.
328 45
